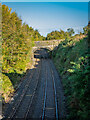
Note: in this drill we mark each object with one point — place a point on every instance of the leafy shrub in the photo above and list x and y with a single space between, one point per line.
7 88
72 61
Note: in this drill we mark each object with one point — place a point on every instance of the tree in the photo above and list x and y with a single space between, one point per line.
85 29
70 31
16 46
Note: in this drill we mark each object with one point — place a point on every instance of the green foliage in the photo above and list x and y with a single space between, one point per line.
70 31
60 34
72 61
17 43
7 88
56 35
85 29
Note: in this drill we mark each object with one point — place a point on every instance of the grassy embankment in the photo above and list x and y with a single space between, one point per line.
71 61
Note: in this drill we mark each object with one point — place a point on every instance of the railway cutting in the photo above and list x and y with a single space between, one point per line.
40 95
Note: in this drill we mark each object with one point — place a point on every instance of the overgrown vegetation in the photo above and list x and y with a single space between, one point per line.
60 34
71 60
57 35
17 42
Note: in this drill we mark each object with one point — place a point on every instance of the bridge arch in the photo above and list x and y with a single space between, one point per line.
50 45
41 47
41 53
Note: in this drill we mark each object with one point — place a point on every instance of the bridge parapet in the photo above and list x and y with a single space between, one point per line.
50 44
47 43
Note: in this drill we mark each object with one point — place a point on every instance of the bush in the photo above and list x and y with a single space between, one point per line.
7 88
72 61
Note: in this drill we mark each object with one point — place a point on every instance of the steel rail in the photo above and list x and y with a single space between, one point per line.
55 96
17 104
31 101
56 108
43 114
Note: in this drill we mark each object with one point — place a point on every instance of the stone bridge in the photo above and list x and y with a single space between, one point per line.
50 44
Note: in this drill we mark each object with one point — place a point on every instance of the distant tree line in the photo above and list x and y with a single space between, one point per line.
63 35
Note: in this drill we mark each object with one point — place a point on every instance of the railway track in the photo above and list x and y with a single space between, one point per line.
33 95
22 87
22 97
55 96
41 96
44 115
17 104
45 95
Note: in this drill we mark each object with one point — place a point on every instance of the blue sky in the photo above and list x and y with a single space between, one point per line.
45 0
50 16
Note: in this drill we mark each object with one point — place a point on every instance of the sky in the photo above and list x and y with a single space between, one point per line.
45 0
49 16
